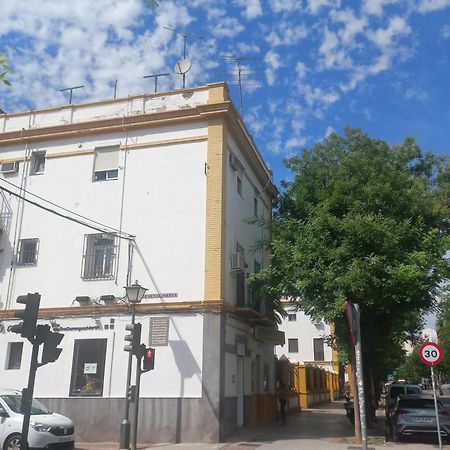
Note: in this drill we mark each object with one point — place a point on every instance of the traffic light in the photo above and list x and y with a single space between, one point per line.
50 351
148 359
131 393
27 328
134 337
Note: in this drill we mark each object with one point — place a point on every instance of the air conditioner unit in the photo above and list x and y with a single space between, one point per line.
234 162
237 261
9 167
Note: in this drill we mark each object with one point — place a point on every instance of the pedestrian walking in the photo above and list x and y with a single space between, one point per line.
281 393
347 391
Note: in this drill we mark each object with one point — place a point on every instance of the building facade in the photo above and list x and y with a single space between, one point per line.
157 188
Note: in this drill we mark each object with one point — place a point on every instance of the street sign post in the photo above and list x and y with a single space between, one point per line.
431 354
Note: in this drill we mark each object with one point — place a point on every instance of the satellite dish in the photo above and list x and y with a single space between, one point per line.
183 66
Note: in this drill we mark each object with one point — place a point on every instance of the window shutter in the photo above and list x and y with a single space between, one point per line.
106 158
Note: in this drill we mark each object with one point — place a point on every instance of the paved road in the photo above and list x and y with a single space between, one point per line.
322 428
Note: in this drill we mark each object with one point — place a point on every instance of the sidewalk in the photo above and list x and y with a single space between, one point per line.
322 428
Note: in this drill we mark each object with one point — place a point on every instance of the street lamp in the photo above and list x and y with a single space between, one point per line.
135 294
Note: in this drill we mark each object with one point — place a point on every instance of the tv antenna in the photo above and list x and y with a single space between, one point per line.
156 78
71 90
239 60
183 66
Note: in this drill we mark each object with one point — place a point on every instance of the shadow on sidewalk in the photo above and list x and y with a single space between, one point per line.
326 421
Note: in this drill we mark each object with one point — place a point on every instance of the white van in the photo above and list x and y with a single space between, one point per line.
47 429
396 389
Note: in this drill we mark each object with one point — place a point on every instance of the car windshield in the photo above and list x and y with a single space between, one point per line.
14 401
416 403
395 391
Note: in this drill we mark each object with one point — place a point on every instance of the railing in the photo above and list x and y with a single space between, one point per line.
99 265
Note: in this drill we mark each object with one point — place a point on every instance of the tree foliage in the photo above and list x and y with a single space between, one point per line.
444 337
363 221
4 69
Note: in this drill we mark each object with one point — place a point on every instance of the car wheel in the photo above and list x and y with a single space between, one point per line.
13 442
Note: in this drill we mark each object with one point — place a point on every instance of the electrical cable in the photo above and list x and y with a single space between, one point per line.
61 207
72 219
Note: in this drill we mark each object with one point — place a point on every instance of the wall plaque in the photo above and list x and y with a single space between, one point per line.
159 331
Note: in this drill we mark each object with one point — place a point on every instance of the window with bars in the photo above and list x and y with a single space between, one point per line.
28 252
293 345
292 317
106 163
319 354
99 256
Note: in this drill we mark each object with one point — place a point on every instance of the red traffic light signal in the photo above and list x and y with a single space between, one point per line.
148 359
27 328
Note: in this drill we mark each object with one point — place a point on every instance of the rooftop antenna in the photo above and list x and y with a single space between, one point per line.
115 88
156 78
183 66
239 60
71 90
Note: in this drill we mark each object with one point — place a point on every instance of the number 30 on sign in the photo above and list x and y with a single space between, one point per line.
430 353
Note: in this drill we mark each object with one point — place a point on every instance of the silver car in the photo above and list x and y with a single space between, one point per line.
415 415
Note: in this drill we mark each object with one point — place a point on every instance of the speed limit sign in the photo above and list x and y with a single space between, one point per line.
430 353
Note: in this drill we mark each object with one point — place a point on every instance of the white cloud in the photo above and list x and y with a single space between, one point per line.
445 31
332 54
375 7
252 8
273 64
416 93
295 143
285 5
425 6
384 37
352 24
314 6
329 130
286 33
301 70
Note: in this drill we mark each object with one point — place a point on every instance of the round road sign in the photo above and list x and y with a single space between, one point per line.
430 353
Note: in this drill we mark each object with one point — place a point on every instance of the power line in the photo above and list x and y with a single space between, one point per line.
115 230
72 219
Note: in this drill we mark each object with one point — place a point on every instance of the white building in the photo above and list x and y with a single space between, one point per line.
169 179
306 340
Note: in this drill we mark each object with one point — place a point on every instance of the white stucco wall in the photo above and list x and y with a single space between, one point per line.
305 330
163 189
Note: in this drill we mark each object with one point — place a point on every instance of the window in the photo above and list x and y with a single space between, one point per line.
293 345
318 349
239 185
99 256
106 163
14 355
37 163
28 252
292 317
255 203
88 367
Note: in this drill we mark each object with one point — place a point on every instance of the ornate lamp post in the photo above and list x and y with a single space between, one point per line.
135 294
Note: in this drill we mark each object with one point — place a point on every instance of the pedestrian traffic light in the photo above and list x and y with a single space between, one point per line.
131 393
134 337
27 328
148 359
50 351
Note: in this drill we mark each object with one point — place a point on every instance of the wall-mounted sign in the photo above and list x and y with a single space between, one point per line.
159 331
162 295
90 368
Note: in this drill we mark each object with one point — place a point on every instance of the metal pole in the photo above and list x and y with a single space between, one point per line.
27 396
136 404
436 409
360 380
125 425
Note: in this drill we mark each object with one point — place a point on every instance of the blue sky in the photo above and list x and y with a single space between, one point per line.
309 67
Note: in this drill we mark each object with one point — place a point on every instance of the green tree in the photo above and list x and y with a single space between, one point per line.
4 69
443 325
364 221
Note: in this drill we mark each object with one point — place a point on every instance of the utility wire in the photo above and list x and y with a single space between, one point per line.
61 207
72 219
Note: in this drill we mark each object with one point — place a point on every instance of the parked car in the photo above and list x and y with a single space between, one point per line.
416 415
396 389
47 429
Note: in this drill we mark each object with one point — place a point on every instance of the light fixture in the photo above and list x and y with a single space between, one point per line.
108 299
83 300
135 292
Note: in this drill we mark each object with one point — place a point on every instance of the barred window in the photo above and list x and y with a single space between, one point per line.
99 256
293 345
28 252
318 349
